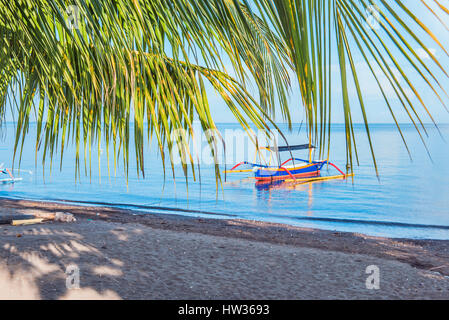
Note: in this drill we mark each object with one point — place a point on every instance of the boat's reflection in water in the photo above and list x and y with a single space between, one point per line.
270 194
267 190
285 185
273 185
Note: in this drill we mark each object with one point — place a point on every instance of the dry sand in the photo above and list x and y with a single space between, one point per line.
125 256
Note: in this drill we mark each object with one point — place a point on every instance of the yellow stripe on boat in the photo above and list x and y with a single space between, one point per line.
306 180
238 171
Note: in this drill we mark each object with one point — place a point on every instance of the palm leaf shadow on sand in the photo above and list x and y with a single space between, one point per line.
172 257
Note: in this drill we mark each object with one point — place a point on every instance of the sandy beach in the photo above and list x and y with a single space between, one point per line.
129 255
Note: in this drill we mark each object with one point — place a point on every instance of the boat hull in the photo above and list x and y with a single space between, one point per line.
272 174
9 180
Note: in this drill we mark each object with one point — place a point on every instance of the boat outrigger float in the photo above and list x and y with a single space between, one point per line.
10 179
306 171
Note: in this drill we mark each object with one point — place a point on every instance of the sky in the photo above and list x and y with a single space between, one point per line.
377 110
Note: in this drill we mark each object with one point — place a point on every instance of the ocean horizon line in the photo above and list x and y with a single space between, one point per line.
303 123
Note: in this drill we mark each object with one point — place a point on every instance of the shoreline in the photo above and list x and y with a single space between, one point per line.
427 257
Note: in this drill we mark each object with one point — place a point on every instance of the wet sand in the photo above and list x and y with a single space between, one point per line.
124 254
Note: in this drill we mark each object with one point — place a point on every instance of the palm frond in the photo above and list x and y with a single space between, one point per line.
147 62
143 62
385 34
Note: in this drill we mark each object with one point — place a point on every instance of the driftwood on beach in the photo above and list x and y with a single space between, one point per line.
8 219
36 217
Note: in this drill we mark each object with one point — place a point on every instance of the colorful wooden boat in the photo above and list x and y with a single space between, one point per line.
298 170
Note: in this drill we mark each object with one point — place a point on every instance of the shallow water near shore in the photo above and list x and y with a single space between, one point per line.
410 200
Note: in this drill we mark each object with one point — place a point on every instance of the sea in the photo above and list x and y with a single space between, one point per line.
407 198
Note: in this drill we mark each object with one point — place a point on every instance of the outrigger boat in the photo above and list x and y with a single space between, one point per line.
298 170
10 179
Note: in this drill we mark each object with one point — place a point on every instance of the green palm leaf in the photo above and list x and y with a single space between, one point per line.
315 29
140 62
147 62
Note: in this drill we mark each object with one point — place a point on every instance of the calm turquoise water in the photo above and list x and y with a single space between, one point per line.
410 200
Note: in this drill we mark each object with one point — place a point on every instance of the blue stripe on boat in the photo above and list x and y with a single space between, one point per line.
279 173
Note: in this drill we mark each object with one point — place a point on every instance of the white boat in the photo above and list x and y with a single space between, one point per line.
9 179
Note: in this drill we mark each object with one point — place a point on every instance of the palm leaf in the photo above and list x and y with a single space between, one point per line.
146 62
136 62
315 29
